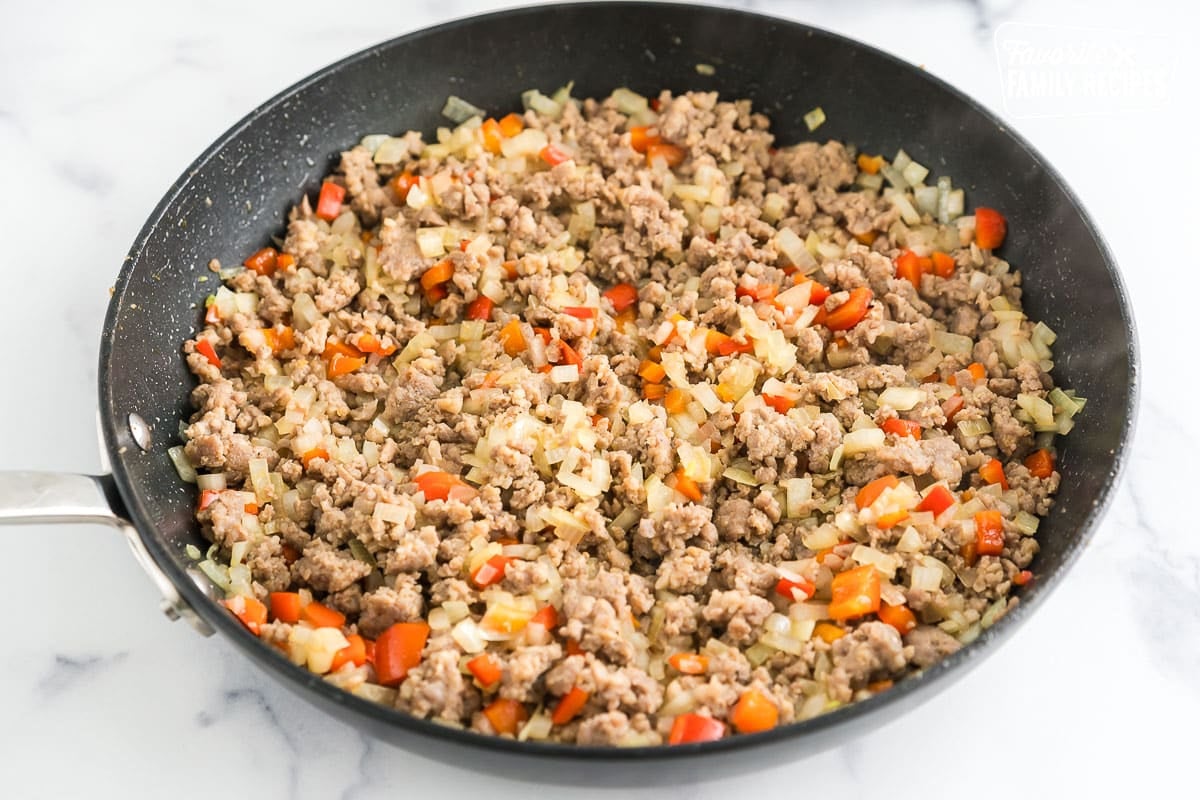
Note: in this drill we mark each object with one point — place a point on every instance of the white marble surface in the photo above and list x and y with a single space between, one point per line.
103 104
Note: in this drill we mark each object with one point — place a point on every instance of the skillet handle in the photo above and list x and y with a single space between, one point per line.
35 497
58 497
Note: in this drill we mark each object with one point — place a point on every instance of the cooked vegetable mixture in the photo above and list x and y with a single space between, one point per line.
612 423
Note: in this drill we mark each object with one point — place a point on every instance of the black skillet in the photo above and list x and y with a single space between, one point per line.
236 194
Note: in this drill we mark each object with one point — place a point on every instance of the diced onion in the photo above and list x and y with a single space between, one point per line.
792 248
629 102
815 118
910 541
377 694
468 636
391 150
901 398
741 476
395 513
538 727
187 473
798 494
821 537
1026 523
459 110
974 427
212 482
951 343
914 173
782 642
564 373
926 578
801 612
527 143
883 562
1040 410
215 572
862 441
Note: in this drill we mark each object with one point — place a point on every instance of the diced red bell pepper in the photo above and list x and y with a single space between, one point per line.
249 610
993 472
691 728
481 308
849 313
938 499
329 201
902 427
205 348
398 649
989 533
990 228
855 593
322 616
943 264
570 706
263 262
869 493
285 606
911 267
1040 464
485 669
622 296
490 571
795 590
554 155
354 653
672 155
899 617
505 715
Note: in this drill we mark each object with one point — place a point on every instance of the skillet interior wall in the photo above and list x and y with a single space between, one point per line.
237 194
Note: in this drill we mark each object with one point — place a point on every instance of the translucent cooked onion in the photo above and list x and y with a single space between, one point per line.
974 427
926 578
628 101
791 246
883 562
801 612
951 343
377 694
1026 523
901 398
187 473
914 173
212 482
798 494
1037 408
468 636
815 118
528 143
783 642
458 110
862 441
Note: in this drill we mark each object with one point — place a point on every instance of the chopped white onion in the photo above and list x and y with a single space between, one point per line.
862 441
901 398
187 473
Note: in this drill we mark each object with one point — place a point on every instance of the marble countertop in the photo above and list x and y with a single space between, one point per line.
102 105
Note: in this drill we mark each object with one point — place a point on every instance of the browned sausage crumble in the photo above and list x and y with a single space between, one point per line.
611 423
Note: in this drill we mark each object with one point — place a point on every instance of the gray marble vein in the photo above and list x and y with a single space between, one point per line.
69 673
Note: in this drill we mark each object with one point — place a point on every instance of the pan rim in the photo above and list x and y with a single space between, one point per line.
914 688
